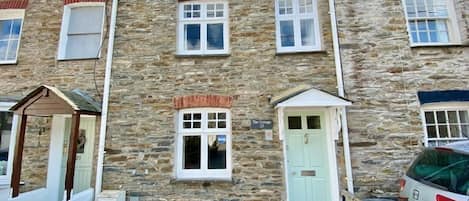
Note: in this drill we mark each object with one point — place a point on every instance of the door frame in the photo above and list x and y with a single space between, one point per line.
330 117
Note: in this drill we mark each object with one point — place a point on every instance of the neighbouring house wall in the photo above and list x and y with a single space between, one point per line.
37 65
382 77
147 74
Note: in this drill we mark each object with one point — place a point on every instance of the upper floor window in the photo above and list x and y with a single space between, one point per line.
204 144
431 22
81 34
203 28
11 21
297 26
443 125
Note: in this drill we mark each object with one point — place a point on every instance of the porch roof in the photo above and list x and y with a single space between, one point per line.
42 102
307 96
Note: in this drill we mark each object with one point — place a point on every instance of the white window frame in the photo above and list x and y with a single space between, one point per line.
445 106
61 54
454 37
10 14
203 21
5 179
296 17
203 173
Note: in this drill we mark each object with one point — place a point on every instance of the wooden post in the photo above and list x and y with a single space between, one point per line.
72 154
17 159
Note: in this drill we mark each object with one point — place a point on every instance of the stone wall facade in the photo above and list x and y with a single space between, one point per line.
382 75
147 75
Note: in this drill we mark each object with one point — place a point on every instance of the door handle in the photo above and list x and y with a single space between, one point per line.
308 173
306 138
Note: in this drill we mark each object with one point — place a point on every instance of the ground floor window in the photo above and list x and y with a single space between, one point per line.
6 121
443 126
204 144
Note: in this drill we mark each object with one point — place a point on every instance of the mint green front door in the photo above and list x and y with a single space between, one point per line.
307 161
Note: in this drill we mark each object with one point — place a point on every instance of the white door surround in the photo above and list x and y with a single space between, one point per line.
313 100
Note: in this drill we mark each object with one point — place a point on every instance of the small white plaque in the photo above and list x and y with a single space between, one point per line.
268 135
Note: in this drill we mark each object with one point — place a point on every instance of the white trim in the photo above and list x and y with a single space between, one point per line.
331 151
203 173
10 14
61 53
296 17
203 21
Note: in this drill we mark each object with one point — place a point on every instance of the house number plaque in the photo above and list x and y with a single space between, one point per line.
261 124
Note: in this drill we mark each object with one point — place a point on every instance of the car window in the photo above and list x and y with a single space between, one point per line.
442 169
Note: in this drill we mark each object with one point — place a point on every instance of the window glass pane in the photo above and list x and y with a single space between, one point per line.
197 116
294 122
191 152
196 125
12 50
16 29
421 11
3 49
314 122
5 29
429 118
6 119
192 36
454 131
83 46
465 131
287 34
441 117
443 131
437 8
452 117
187 124
216 151
463 117
221 115
414 37
307 34
212 115
222 124
88 19
187 116
212 124
431 132
215 36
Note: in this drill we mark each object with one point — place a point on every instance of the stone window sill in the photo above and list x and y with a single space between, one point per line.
204 182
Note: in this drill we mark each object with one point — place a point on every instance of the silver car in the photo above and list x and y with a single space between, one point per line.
438 174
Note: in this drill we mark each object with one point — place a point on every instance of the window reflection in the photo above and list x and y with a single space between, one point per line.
216 151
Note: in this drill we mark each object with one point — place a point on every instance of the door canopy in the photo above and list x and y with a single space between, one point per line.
307 96
46 101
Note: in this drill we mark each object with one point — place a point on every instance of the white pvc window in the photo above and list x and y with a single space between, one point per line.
297 26
7 120
204 144
82 28
445 125
11 22
203 28
431 22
